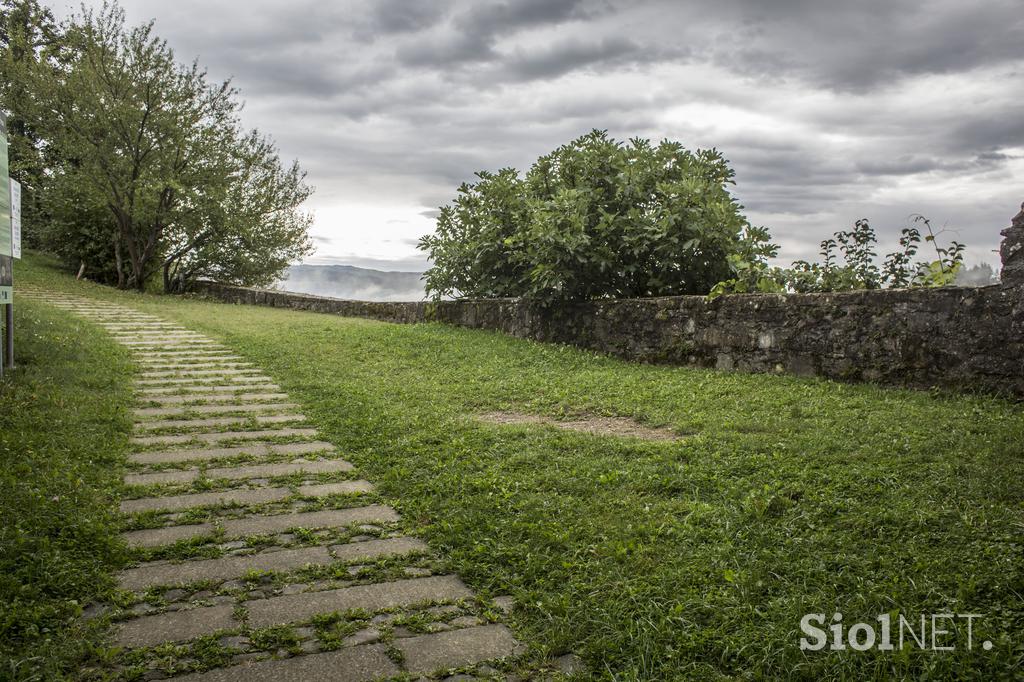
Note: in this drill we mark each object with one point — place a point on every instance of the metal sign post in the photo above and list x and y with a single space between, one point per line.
7 248
15 254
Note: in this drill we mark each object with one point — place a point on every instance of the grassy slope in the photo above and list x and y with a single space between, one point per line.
654 560
63 429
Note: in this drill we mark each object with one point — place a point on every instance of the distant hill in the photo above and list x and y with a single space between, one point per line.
348 281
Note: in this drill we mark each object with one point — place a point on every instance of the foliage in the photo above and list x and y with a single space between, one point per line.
29 39
594 218
151 170
848 262
253 232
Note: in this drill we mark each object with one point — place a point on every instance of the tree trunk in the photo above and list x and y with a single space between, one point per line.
118 261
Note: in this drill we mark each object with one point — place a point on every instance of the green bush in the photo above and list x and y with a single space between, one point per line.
594 218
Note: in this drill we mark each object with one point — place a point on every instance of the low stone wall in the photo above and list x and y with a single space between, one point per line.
955 337
962 338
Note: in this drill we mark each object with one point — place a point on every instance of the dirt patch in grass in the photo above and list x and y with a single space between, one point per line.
602 426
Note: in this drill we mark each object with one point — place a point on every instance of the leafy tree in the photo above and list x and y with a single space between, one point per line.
594 218
141 134
153 174
29 40
250 233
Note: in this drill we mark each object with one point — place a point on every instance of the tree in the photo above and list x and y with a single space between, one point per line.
252 232
155 174
29 40
141 135
594 218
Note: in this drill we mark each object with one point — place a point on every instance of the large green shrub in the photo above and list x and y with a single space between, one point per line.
595 218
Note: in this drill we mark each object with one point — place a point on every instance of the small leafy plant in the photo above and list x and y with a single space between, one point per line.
848 263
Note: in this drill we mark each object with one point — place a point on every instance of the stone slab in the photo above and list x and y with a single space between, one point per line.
264 525
301 607
201 381
323 466
339 488
149 393
155 374
257 449
165 366
127 337
221 435
353 664
219 421
144 577
160 477
175 626
159 331
156 537
165 341
211 409
141 353
375 549
200 398
327 518
144 325
456 648
176 502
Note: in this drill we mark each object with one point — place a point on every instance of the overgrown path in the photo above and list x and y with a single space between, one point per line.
261 553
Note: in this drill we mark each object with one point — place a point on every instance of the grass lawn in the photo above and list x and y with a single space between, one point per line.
63 436
653 560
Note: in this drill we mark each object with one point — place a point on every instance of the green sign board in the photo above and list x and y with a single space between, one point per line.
6 243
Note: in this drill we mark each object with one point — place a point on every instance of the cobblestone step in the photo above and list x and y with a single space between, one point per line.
339 488
323 466
168 574
176 336
294 608
220 497
175 626
354 664
186 572
221 435
328 466
168 535
204 423
214 398
185 371
456 648
256 449
263 525
212 409
191 362
200 381
193 352
216 388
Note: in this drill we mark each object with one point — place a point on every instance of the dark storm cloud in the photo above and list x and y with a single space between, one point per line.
388 17
861 45
501 18
829 110
558 60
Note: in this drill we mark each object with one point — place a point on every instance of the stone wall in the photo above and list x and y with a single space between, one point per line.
963 338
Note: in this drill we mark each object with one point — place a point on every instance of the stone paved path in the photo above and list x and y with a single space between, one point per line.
260 551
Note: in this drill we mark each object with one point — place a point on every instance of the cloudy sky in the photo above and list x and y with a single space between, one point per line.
829 110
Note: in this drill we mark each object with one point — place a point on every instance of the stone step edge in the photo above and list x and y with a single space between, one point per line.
269 524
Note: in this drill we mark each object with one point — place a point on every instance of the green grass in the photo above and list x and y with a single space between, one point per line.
62 442
693 559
